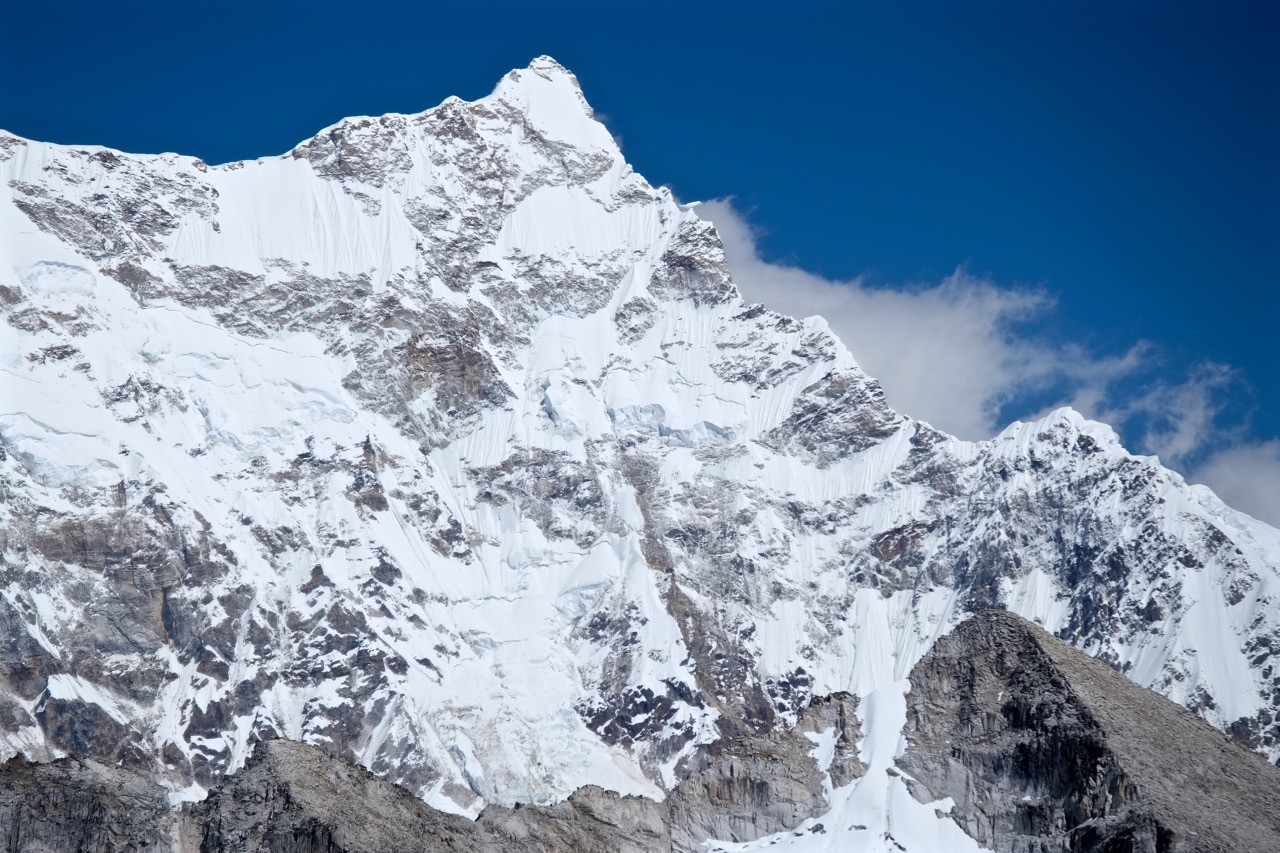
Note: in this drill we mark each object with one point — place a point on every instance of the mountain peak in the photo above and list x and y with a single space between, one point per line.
548 67
552 100
545 93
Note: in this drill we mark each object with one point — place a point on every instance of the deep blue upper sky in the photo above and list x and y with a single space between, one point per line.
1125 156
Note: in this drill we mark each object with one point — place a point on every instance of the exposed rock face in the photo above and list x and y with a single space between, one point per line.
295 798
1043 749
84 806
446 444
746 787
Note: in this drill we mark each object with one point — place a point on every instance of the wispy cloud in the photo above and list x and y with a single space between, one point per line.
1183 421
963 355
1246 476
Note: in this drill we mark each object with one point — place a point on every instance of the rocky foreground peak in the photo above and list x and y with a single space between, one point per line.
1040 744
446 444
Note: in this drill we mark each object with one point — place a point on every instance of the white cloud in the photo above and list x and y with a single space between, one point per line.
946 353
1247 477
1180 422
955 354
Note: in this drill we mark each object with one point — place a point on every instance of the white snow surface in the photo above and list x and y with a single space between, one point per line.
430 421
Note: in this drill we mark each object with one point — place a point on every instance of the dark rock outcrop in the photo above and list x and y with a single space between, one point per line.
1044 748
72 804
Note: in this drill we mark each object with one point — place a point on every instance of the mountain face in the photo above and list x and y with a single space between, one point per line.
445 443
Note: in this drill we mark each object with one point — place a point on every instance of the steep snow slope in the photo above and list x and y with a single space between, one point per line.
445 442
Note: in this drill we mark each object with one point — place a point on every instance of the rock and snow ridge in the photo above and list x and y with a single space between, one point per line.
445 442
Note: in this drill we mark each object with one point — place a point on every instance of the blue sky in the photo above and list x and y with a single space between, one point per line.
1084 197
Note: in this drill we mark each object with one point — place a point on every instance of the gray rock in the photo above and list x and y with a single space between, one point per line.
294 798
1043 748
74 804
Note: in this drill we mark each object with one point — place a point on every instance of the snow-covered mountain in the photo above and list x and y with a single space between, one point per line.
445 442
